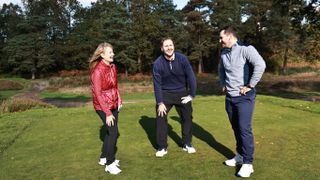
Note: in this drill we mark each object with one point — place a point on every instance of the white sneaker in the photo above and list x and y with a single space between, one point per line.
238 159
189 149
245 170
161 153
103 161
113 168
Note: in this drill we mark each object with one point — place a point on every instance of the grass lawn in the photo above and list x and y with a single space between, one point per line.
64 143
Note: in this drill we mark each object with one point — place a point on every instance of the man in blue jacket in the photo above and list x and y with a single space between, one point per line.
174 85
240 69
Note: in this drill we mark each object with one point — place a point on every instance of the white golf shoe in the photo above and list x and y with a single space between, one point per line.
112 168
103 161
238 159
245 170
189 149
161 153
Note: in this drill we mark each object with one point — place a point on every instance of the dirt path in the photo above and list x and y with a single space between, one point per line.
37 86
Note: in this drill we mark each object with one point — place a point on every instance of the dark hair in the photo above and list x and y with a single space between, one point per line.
229 30
164 39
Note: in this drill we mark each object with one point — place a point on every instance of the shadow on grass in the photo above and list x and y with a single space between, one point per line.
80 98
76 101
205 136
149 126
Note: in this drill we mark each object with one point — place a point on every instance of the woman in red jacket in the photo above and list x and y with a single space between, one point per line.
106 101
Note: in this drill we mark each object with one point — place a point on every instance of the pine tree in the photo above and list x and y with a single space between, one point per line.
10 16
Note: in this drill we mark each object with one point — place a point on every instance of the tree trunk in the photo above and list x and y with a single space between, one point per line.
200 59
33 76
127 74
285 61
200 70
139 62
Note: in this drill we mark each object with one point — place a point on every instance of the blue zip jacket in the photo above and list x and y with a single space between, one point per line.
173 76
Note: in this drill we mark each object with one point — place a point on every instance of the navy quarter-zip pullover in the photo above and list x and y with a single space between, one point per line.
173 76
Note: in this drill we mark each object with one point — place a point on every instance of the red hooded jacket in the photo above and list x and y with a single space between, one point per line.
104 85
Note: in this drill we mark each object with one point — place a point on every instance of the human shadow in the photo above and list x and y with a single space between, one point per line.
149 126
205 136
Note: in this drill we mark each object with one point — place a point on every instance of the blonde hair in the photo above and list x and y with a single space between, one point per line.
93 61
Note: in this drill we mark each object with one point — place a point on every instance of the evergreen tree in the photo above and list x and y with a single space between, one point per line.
311 32
199 31
145 29
10 16
29 52
281 29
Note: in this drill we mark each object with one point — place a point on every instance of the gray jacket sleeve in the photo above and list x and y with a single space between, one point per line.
258 63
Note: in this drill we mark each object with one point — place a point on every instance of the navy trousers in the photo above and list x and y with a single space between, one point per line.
171 99
108 149
240 110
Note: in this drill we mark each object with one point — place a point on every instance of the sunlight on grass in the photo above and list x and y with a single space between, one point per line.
64 143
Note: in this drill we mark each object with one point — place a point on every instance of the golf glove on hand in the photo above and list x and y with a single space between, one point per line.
119 107
186 99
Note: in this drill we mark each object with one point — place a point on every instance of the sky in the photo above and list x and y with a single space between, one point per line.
180 3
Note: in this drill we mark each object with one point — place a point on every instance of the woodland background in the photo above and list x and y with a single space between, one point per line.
42 38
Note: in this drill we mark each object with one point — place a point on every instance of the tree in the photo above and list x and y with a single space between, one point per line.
10 16
29 52
311 32
224 13
145 29
281 28
199 30
115 22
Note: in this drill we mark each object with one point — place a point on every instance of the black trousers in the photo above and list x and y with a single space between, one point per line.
108 149
185 112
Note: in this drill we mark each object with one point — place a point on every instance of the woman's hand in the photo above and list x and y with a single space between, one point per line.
162 110
110 120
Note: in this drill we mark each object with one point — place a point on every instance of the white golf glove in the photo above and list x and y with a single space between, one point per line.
186 99
119 107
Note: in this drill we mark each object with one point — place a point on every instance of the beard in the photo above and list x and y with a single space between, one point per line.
169 54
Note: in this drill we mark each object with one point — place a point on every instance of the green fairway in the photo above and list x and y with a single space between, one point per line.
65 143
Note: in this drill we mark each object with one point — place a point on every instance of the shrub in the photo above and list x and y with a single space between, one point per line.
21 104
74 81
10 85
72 73
135 78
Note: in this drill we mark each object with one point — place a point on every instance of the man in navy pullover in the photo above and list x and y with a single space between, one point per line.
174 85
240 69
